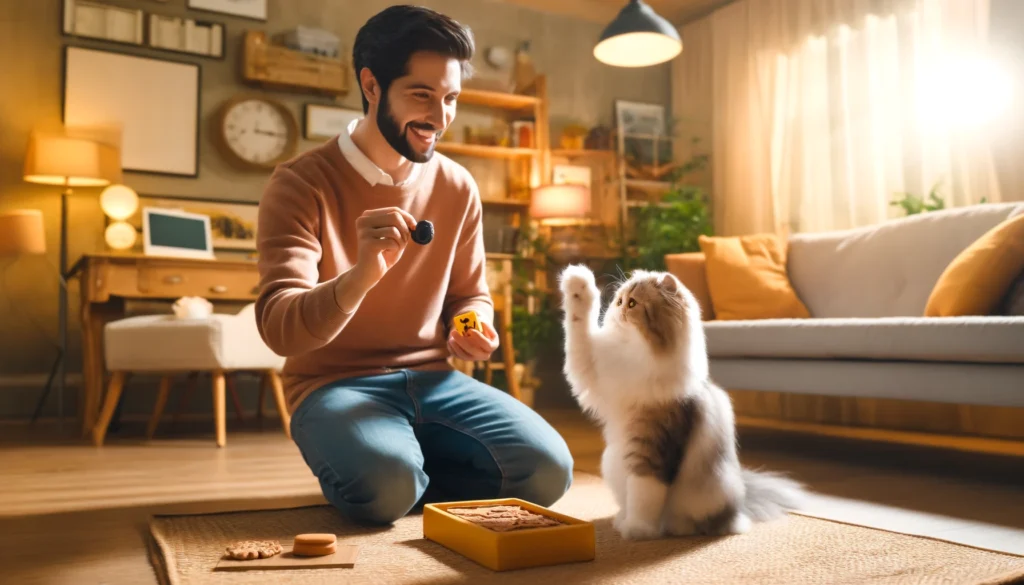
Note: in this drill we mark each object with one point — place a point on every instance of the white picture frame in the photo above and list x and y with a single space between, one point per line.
637 119
571 175
323 122
186 35
96 20
151 249
251 9
155 103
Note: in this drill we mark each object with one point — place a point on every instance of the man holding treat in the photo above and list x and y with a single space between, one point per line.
369 246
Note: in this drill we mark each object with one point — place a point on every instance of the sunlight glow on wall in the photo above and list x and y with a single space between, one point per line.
964 91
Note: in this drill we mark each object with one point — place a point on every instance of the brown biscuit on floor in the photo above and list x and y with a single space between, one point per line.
247 550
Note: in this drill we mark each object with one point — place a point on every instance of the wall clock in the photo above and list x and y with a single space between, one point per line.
255 132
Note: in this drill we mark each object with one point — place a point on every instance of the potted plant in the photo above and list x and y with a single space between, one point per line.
673 223
536 320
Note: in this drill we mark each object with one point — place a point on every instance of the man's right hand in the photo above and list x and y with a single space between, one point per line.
382 236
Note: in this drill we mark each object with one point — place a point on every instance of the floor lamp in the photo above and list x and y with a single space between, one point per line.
66 161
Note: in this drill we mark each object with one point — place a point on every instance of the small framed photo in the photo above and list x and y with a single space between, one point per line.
324 122
252 9
95 20
185 35
635 119
179 234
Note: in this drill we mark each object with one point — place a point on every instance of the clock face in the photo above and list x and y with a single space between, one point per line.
257 132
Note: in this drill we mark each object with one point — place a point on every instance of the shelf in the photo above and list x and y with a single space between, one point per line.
582 152
648 185
505 202
484 151
666 137
498 99
638 203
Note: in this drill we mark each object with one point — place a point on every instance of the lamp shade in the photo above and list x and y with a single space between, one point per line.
560 202
21 232
638 37
54 159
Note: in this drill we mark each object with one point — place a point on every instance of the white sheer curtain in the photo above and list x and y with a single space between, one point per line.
822 110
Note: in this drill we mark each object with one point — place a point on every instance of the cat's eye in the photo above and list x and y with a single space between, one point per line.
632 303
619 302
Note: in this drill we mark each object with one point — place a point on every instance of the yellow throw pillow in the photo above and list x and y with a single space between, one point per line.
747 278
979 277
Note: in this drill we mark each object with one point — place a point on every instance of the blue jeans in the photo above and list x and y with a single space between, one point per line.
377 442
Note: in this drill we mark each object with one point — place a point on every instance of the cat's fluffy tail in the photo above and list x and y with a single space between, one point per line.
770 495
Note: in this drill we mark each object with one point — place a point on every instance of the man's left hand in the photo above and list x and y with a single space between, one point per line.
474 346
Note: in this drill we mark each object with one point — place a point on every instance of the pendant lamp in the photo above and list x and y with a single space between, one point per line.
638 37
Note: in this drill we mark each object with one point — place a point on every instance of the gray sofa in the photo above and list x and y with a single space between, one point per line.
866 290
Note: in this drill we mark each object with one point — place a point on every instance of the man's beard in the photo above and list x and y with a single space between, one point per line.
396 136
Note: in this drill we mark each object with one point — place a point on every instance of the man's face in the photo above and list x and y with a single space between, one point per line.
420 106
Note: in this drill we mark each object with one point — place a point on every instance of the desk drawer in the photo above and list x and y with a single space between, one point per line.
170 280
210 283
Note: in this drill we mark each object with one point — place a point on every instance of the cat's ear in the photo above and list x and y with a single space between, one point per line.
668 283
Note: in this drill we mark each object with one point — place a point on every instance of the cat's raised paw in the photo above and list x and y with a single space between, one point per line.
578 285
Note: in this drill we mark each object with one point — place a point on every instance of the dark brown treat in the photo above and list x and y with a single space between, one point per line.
423 233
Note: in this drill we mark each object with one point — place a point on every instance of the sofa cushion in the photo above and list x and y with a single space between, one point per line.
981 276
888 270
954 339
747 278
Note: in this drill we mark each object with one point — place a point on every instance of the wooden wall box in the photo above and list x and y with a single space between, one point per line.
518 549
274 66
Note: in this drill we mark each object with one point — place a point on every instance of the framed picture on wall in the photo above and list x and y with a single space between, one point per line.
253 9
155 103
635 118
325 122
95 20
232 223
645 135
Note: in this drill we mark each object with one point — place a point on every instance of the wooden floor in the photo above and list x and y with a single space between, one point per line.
92 504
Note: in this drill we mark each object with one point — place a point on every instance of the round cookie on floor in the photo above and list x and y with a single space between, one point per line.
315 545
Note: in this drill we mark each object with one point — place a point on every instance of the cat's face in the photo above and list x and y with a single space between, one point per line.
653 305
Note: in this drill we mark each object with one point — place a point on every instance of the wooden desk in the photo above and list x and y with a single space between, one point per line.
108 280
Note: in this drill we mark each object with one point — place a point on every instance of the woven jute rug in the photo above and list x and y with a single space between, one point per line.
791 551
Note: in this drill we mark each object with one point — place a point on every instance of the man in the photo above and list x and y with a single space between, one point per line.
364 315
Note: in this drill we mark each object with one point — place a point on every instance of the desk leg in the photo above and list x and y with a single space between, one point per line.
94 317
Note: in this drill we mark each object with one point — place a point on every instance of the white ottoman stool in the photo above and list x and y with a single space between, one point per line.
168 345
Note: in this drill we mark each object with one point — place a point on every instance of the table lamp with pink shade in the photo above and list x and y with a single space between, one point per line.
65 160
560 204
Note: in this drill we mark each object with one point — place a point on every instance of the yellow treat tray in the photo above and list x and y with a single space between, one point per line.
517 549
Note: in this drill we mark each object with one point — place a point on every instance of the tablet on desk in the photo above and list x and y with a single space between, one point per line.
169 232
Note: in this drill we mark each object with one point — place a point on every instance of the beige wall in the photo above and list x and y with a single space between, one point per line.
30 96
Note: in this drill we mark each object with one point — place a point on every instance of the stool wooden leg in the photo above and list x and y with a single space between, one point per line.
229 380
220 408
99 431
161 402
282 409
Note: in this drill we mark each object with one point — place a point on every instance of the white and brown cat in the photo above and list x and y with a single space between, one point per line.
642 371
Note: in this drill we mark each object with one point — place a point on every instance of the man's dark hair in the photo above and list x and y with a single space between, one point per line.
385 43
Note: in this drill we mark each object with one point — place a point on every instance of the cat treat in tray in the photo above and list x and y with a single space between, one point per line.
509 534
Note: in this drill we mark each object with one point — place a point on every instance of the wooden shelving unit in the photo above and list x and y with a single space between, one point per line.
497 99
627 183
532 165
484 151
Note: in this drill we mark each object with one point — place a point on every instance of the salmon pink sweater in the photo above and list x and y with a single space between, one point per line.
306 238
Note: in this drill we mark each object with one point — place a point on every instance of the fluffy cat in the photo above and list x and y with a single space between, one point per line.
642 372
